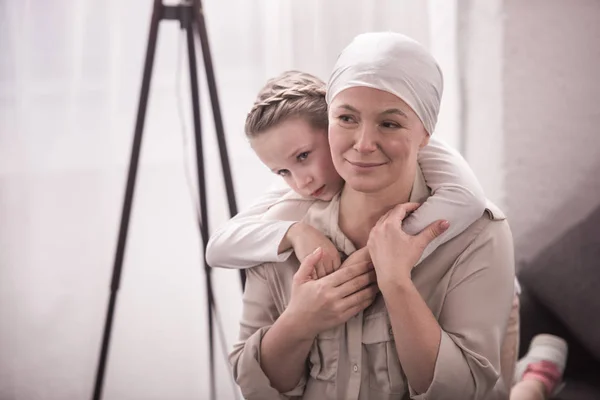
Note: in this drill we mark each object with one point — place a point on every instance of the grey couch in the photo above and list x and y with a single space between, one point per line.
561 296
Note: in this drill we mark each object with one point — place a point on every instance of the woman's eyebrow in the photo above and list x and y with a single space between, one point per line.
396 111
349 108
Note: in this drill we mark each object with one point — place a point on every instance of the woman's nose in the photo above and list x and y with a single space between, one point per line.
365 140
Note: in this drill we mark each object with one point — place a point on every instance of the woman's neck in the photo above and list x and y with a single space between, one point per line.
359 212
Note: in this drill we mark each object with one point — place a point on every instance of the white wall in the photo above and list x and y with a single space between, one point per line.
530 116
551 117
480 57
69 81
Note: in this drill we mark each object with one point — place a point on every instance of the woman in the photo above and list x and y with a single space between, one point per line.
436 331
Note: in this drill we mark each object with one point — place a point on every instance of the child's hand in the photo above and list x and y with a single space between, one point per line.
305 239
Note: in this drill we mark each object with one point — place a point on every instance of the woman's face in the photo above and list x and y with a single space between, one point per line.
300 154
374 138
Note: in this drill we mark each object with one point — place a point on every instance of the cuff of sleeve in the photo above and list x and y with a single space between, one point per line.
281 257
298 390
451 376
250 376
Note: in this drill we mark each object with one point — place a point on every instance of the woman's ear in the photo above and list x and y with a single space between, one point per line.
425 141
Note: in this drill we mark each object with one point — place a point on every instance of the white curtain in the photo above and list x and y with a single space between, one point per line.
70 72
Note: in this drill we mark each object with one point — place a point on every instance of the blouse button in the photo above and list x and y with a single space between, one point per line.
355 368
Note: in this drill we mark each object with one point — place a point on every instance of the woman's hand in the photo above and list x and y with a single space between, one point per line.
393 251
305 239
318 305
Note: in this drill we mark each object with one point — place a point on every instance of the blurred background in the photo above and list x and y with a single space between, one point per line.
520 103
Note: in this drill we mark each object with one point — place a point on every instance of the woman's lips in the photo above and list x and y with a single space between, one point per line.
361 164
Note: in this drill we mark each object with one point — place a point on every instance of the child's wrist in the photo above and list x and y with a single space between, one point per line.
287 242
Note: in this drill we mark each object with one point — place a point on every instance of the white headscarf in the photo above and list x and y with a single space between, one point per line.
396 64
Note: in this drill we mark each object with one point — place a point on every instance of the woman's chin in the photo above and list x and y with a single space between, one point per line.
368 185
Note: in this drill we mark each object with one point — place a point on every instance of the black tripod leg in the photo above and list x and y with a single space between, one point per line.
202 196
214 100
133 164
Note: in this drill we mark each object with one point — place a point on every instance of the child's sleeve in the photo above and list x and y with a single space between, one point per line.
247 240
456 196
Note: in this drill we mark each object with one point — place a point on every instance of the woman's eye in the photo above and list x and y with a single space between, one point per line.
391 125
346 118
302 156
283 172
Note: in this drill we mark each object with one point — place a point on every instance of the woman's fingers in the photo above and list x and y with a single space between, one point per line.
384 217
307 267
359 300
399 212
432 231
358 256
356 284
349 272
410 207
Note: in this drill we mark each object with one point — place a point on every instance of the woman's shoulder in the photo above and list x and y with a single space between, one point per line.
486 245
489 233
487 242
492 226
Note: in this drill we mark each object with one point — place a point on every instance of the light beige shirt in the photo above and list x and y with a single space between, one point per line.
467 283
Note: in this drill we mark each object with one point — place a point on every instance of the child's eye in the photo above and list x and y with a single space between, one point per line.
283 172
302 156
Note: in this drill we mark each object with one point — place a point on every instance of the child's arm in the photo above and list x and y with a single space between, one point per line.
247 240
268 232
456 196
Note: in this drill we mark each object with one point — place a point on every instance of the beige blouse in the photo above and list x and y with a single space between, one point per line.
467 283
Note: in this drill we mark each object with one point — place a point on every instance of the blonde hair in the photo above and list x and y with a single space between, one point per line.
292 94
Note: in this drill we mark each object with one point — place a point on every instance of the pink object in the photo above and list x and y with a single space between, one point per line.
543 371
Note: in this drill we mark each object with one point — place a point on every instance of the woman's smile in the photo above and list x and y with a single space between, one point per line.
365 165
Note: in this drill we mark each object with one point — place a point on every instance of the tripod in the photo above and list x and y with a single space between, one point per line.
191 17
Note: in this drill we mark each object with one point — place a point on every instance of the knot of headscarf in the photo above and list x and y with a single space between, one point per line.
393 63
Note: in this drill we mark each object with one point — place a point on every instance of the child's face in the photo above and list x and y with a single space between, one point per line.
300 154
